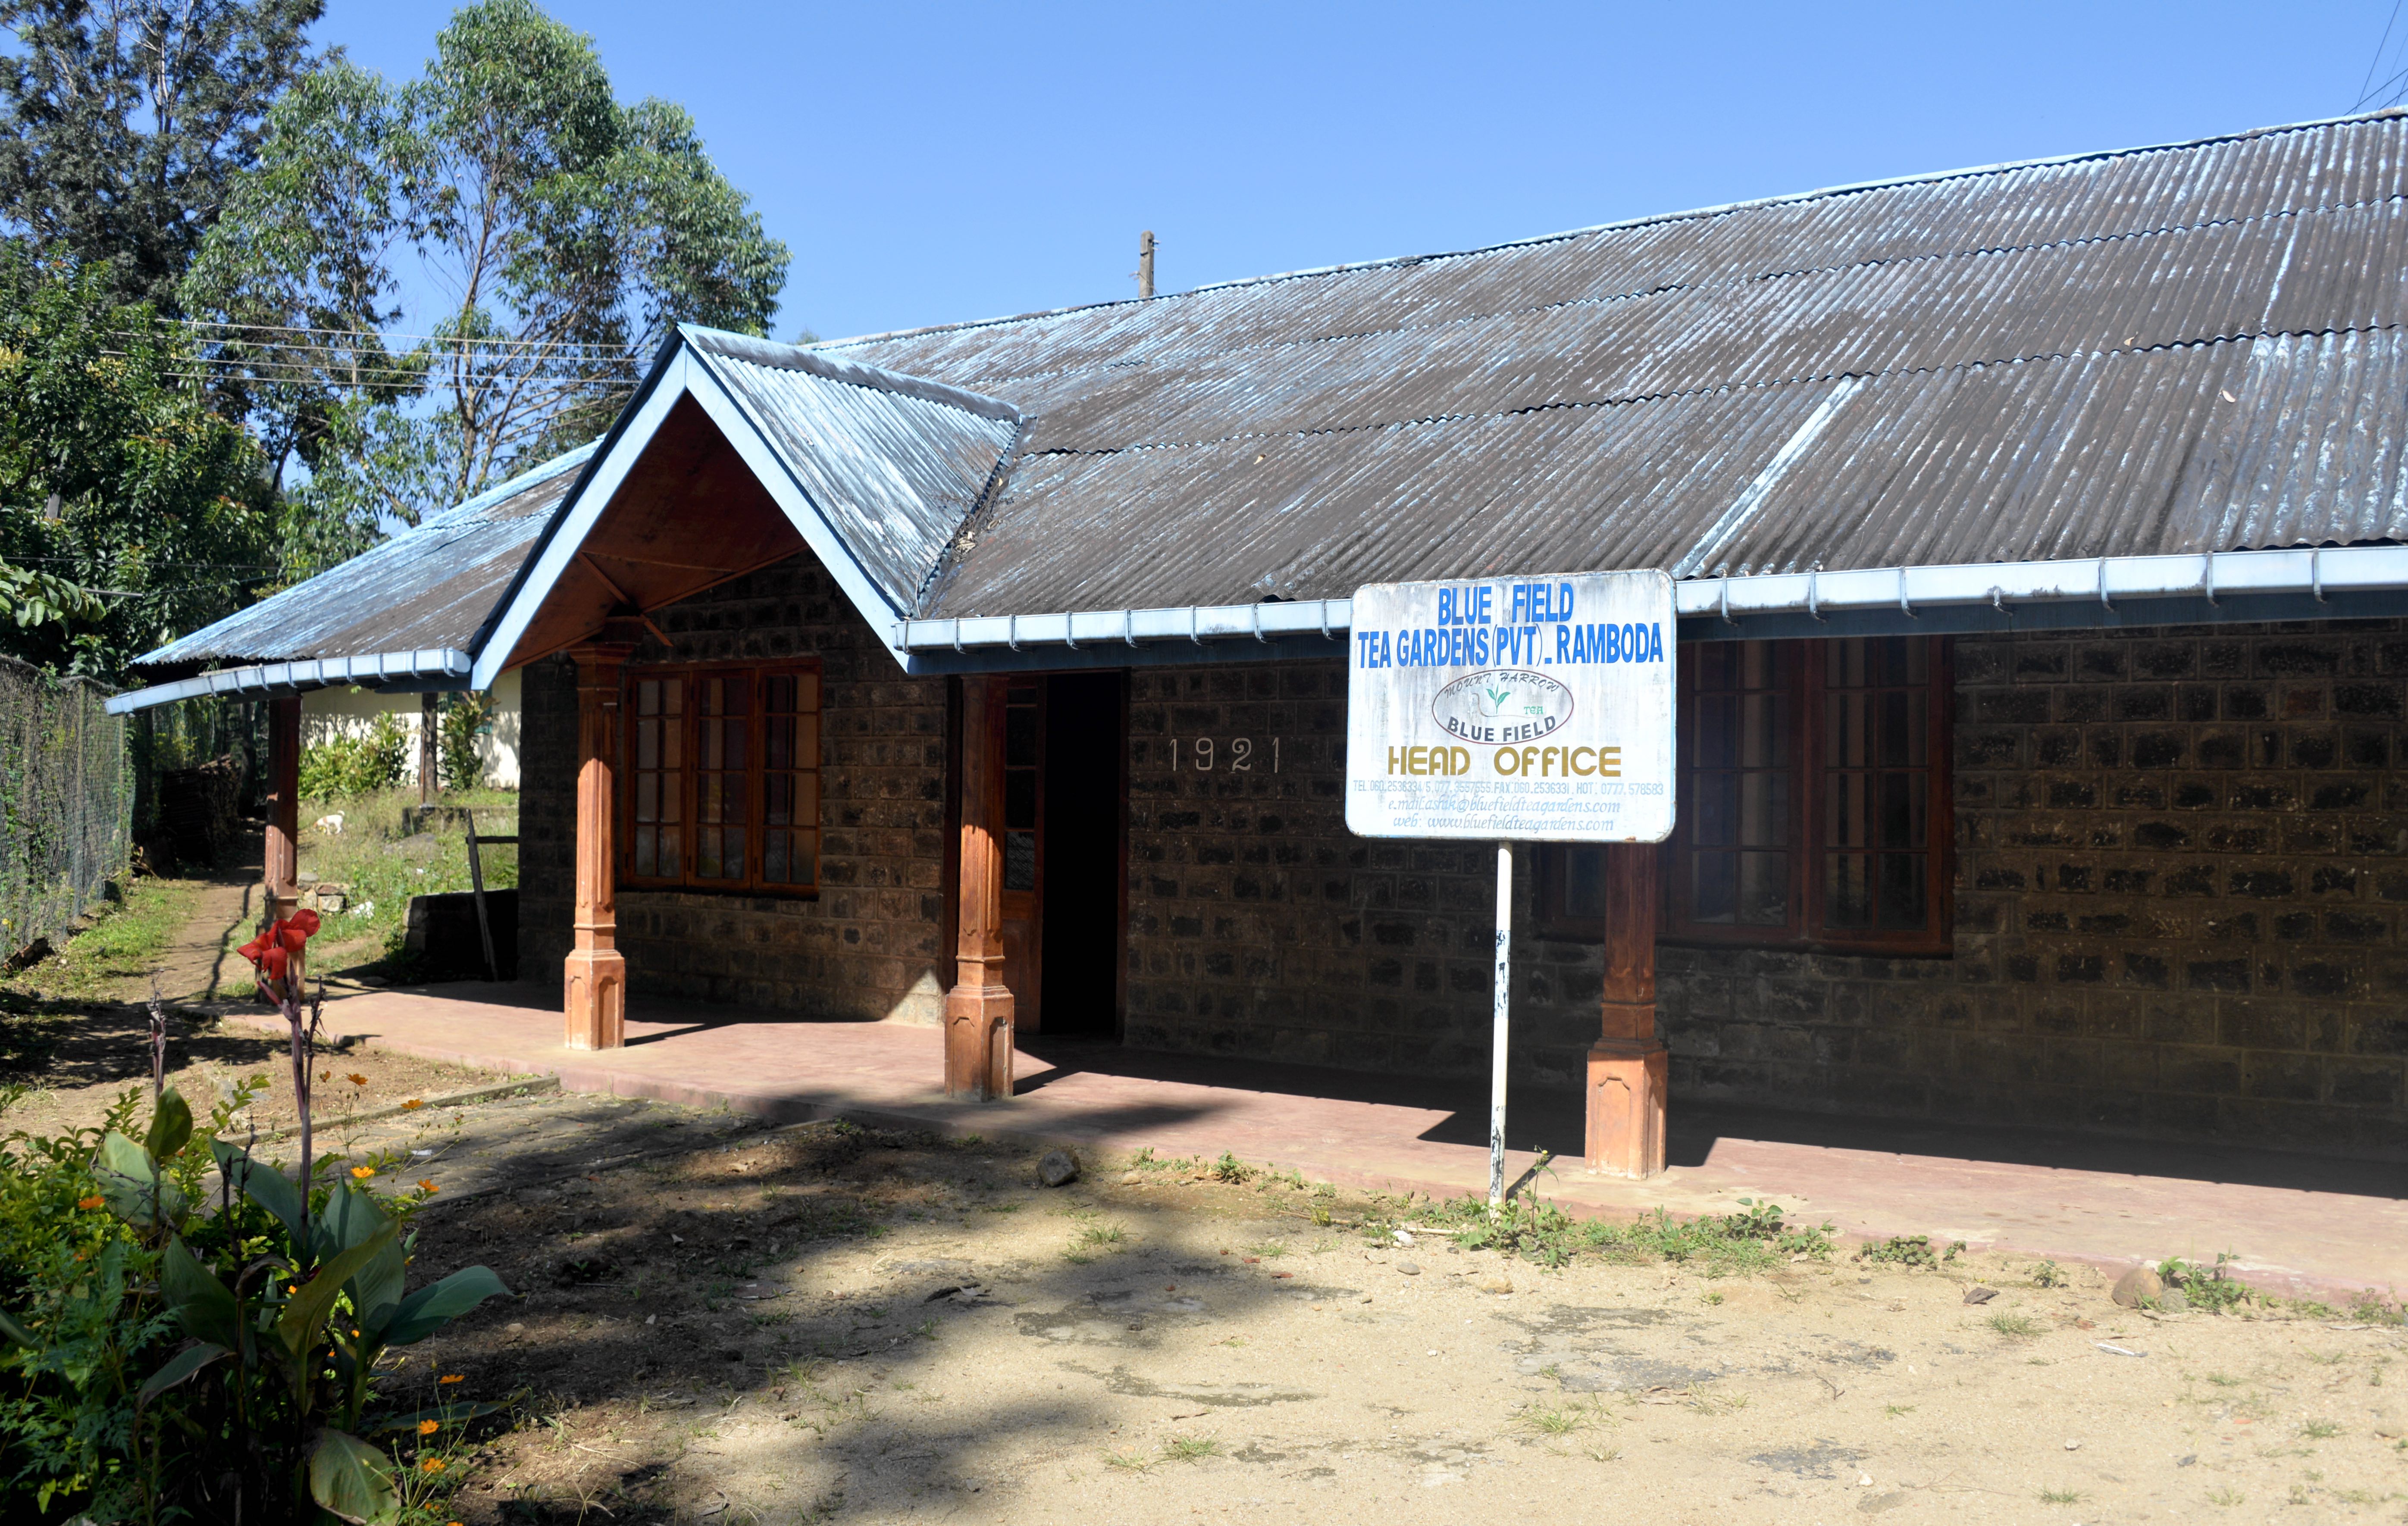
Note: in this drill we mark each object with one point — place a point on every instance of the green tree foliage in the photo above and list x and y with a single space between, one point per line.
569 233
129 513
122 122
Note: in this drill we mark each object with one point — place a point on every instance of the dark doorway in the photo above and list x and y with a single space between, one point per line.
1080 927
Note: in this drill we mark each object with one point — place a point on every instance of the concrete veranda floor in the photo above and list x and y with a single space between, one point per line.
2304 1224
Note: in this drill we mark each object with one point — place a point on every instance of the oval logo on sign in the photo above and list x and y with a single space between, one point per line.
1502 705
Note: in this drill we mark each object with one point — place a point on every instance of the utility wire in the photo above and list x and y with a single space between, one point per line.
2367 87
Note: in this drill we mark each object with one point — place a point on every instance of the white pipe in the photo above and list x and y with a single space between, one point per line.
1502 1025
2094 580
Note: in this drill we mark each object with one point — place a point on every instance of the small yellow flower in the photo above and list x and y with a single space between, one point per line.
426 1184
433 1464
452 1378
362 1172
356 1078
427 1428
413 1105
93 1202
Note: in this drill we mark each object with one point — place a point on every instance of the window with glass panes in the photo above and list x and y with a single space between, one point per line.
722 767
1814 800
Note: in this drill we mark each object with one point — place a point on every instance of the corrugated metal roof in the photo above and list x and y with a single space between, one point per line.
431 586
2172 348
894 462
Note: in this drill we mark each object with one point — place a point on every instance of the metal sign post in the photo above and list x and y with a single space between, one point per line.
1500 1024
1530 709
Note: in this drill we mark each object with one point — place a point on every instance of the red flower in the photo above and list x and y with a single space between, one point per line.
272 951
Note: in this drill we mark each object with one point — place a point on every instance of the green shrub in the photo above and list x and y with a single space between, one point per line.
465 720
356 766
165 1362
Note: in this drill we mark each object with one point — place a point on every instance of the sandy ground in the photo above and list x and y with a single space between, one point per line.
719 1323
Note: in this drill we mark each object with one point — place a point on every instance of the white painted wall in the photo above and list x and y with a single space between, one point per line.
327 713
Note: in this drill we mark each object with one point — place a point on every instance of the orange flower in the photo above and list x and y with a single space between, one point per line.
426 1185
362 1172
433 1464
356 1078
325 1076
452 1378
427 1428
413 1105
93 1202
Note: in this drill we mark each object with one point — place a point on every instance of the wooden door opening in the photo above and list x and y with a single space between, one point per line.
1062 866
1083 905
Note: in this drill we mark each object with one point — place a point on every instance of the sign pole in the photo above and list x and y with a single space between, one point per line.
1503 1026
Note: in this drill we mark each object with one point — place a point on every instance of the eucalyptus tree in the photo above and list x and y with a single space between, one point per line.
123 122
550 234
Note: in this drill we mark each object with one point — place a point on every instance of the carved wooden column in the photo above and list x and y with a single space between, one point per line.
596 997
281 864
1626 1066
978 1010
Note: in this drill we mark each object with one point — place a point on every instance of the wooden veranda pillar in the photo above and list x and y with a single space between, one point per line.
281 862
978 1010
1627 1065
594 999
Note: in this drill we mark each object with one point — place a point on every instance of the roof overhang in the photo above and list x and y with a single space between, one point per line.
408 672
2334 582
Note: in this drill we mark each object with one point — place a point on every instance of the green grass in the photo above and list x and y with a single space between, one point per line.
1190 1449
2319 1430
2060 1496
111 959
1754 1240
2015 1327
384 874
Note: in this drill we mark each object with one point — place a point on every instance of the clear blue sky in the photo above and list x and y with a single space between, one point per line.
931 163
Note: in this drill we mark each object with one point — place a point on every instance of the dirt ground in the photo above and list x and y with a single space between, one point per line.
719 1322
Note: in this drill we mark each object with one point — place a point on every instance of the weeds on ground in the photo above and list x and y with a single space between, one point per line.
2319 1430
1908 1251
2015 1327
1190 1449
2048 1274
2060 1496
1229 1169
1756 1240
2213 1289
113 956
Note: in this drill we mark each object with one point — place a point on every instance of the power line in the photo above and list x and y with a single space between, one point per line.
2366 90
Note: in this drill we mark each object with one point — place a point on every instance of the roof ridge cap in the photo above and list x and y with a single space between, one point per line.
1650 219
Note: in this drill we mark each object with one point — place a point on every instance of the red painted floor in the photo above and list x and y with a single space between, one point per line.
2299 1223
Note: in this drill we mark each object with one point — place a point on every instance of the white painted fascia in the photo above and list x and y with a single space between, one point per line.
2314 572
443 663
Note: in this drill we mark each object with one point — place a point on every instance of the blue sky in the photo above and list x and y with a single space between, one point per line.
932 162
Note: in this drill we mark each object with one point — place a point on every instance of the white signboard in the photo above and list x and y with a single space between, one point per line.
1537 708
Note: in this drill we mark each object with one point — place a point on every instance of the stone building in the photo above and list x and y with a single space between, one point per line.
2037 536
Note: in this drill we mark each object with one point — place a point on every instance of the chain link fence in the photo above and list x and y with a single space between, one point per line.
67 803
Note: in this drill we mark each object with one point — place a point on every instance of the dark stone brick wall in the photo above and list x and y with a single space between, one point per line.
1259 925
2181 872
2181 883
869 946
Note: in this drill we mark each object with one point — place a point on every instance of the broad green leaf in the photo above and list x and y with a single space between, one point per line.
205 1306
125 1174
348 1218
352 1478
15 1333
304 1315
377 1290
261 1183
430 1308
183 1364
171 1125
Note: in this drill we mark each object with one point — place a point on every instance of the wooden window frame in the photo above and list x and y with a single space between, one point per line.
757 674
1806 929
